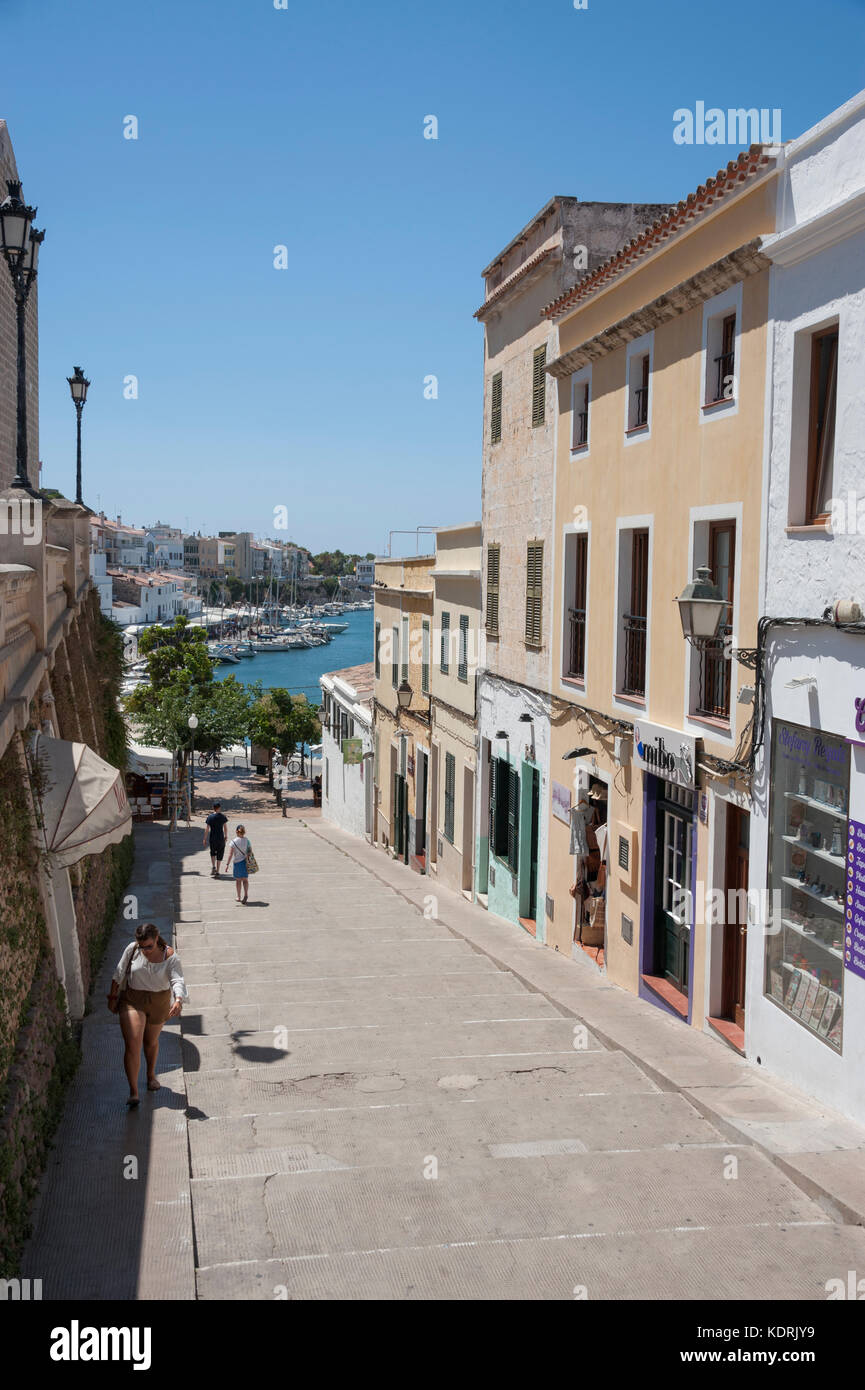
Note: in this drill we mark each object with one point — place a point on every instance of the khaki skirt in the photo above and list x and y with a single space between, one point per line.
153 1003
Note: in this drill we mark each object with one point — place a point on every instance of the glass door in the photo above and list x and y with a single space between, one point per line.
674 895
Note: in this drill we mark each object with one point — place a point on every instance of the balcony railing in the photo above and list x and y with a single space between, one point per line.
725 362
713 693
582 429
641 407
577 643
634 628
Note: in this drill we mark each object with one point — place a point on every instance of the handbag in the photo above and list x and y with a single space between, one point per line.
114 1001
251 861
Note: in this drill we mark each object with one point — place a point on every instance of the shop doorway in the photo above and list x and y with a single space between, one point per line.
674 898
735 916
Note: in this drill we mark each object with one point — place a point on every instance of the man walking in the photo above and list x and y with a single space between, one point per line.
215 833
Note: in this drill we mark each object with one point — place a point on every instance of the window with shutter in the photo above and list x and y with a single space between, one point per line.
496 410
499 817
445 643
395 661
405 643
534 592
424 669
494 556
377 650
450 780
539 385
463 668
513 820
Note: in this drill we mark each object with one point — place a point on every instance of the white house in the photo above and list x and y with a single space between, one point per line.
806 973
347 748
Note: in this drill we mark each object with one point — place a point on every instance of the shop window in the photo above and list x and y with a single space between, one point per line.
810 777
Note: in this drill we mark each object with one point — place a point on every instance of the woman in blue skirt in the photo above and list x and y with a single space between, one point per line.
238 850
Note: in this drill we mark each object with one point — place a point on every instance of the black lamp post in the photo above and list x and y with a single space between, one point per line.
78 385
20 244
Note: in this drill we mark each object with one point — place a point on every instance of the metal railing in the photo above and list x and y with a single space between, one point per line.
582 429
635 628
577 645
713 693
725 362
641 412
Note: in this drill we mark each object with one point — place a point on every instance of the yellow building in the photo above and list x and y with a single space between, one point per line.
662 391
403 600
454 665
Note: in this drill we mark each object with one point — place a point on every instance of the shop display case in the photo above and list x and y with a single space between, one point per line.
807 874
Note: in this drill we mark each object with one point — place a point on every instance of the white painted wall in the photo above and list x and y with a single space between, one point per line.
342 786
500 705
784 1046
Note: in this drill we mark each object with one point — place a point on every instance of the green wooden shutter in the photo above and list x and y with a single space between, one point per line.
501 818
377 650
450 778
463 668
405 647
494 556
513 819
539 385
395 657
424 669
445 643
496 410
534 592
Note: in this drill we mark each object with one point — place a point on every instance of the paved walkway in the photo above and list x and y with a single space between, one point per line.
391 1094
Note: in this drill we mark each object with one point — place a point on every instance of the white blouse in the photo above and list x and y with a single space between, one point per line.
151 975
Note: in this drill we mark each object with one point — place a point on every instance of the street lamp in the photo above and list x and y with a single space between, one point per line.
20 242
403 695
78 385
192 721
701 607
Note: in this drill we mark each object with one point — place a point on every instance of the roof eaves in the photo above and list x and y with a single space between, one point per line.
743 169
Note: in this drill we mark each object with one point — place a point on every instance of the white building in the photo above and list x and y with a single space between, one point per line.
806 974
347 750
101 581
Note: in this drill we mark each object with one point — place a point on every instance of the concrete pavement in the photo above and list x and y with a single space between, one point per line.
391 1094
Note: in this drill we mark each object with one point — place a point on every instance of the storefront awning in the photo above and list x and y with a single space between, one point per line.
144 760
84 803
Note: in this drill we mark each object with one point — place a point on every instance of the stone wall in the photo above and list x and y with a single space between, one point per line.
38 1048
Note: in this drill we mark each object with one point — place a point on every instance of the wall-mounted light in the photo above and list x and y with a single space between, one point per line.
577 753
403 695
702 607
502 733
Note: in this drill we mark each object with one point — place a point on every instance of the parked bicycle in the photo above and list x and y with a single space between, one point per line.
294 765
209 759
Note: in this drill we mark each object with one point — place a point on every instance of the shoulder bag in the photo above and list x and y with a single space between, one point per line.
114 1000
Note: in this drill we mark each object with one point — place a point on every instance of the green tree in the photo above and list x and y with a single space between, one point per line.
181 684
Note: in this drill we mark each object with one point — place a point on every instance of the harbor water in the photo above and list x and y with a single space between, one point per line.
298 671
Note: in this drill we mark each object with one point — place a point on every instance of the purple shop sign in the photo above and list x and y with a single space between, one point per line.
854 912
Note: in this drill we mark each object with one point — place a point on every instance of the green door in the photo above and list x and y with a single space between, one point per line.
673 895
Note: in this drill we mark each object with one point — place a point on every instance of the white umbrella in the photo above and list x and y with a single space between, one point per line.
84 802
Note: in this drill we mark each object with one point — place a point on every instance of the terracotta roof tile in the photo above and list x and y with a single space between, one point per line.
749 163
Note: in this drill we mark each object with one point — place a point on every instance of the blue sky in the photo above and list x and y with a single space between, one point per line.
303 127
